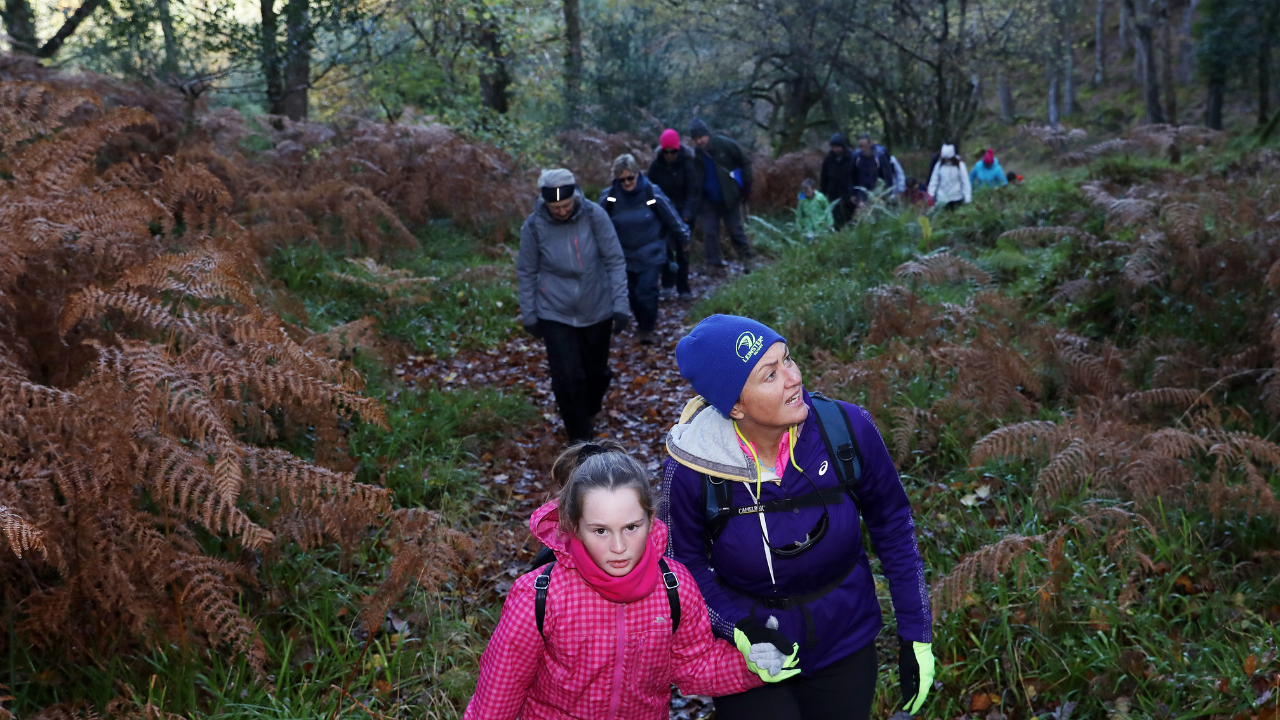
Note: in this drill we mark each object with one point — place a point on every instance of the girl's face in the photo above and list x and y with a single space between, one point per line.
772 394
808 193
614 529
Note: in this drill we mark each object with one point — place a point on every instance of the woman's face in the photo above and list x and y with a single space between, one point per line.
614 529
772 395
561 210
627 179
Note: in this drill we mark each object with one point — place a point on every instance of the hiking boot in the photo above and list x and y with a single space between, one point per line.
747 266
645 337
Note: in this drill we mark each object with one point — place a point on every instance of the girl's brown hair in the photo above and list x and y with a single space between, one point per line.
588 466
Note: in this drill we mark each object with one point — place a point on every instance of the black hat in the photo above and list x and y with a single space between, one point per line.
697 128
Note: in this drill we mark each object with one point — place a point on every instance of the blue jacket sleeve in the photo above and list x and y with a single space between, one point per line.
669 217
886 511
681 510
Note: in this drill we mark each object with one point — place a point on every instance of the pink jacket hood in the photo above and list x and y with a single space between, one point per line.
545 525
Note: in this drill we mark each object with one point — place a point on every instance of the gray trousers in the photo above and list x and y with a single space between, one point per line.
709 217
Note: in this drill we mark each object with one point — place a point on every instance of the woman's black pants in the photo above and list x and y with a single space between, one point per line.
680 278
642 292
842 690
580 374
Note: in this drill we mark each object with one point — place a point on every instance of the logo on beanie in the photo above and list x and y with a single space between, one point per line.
748 345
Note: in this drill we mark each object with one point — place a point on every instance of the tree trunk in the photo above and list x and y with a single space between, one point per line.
495 74
54 44
169 68
1186 44
1069 104
297 64
572 58
1005 90
1124 27
1213 108
1264 77
1166 67
271 59
1053 97
1099 46
1146 47
795 115
20 24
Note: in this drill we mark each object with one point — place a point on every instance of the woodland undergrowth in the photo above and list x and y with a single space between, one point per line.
166 437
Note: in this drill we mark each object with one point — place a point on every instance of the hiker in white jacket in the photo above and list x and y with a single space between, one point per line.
949 184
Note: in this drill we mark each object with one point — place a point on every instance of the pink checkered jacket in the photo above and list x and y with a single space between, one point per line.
601 660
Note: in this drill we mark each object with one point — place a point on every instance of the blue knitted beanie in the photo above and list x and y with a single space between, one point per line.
718 355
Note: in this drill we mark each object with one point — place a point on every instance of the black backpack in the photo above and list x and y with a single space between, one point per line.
842 448
543 581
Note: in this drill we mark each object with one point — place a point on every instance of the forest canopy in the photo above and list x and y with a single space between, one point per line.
781 74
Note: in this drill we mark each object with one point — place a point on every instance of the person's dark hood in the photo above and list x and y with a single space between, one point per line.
540 206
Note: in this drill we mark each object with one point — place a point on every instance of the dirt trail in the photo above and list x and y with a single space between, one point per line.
645 398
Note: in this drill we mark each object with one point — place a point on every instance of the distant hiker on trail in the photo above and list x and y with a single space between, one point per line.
899 176
987 173
914 194
573 294
933 161
949 182
766 493
870 163
672 170
836 180
723 180
606 628
644 218
813 211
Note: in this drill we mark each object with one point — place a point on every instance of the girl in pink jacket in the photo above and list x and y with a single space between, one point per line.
619 623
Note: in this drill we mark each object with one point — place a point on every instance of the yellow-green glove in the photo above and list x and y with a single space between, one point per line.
768 652
915 671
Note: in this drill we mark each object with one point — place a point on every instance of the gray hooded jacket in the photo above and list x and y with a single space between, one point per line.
571 272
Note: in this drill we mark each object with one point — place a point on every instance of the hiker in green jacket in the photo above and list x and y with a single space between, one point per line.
813 211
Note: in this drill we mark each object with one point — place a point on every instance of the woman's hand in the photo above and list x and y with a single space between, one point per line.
915 671
763 646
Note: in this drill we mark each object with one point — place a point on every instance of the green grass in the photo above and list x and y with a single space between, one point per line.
1172 653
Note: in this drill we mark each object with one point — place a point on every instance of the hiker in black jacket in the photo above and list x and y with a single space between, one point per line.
672 171
836 181
870 163
723 181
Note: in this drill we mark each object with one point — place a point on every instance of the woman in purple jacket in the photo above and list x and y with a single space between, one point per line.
789 559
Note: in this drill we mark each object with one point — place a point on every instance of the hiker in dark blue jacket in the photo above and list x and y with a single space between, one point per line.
870 163
759 515
643 217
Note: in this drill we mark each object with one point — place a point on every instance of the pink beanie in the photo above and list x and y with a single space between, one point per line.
669 140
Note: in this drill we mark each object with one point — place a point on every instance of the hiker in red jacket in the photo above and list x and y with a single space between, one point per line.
604 630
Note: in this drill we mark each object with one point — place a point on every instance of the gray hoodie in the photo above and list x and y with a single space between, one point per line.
571 272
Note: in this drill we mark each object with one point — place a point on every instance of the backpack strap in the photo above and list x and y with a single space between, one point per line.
717 504
540 585
543 582
842 446
610 203
671 582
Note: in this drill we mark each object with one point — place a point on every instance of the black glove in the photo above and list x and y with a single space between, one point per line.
535 329
620 322
757 633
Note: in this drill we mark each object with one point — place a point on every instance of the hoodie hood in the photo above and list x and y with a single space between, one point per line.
545 526
706 442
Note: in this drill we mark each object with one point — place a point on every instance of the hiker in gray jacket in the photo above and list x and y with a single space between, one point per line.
573 294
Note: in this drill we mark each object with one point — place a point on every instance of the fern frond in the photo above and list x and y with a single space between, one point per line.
20 535
1034 236
1028 440
942 267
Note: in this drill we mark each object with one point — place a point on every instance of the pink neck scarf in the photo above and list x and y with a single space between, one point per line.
635 585
784 452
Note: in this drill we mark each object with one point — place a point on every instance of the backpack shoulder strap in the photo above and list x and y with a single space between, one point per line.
540 585
717 504
671 582
842 446
609 202
649 198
